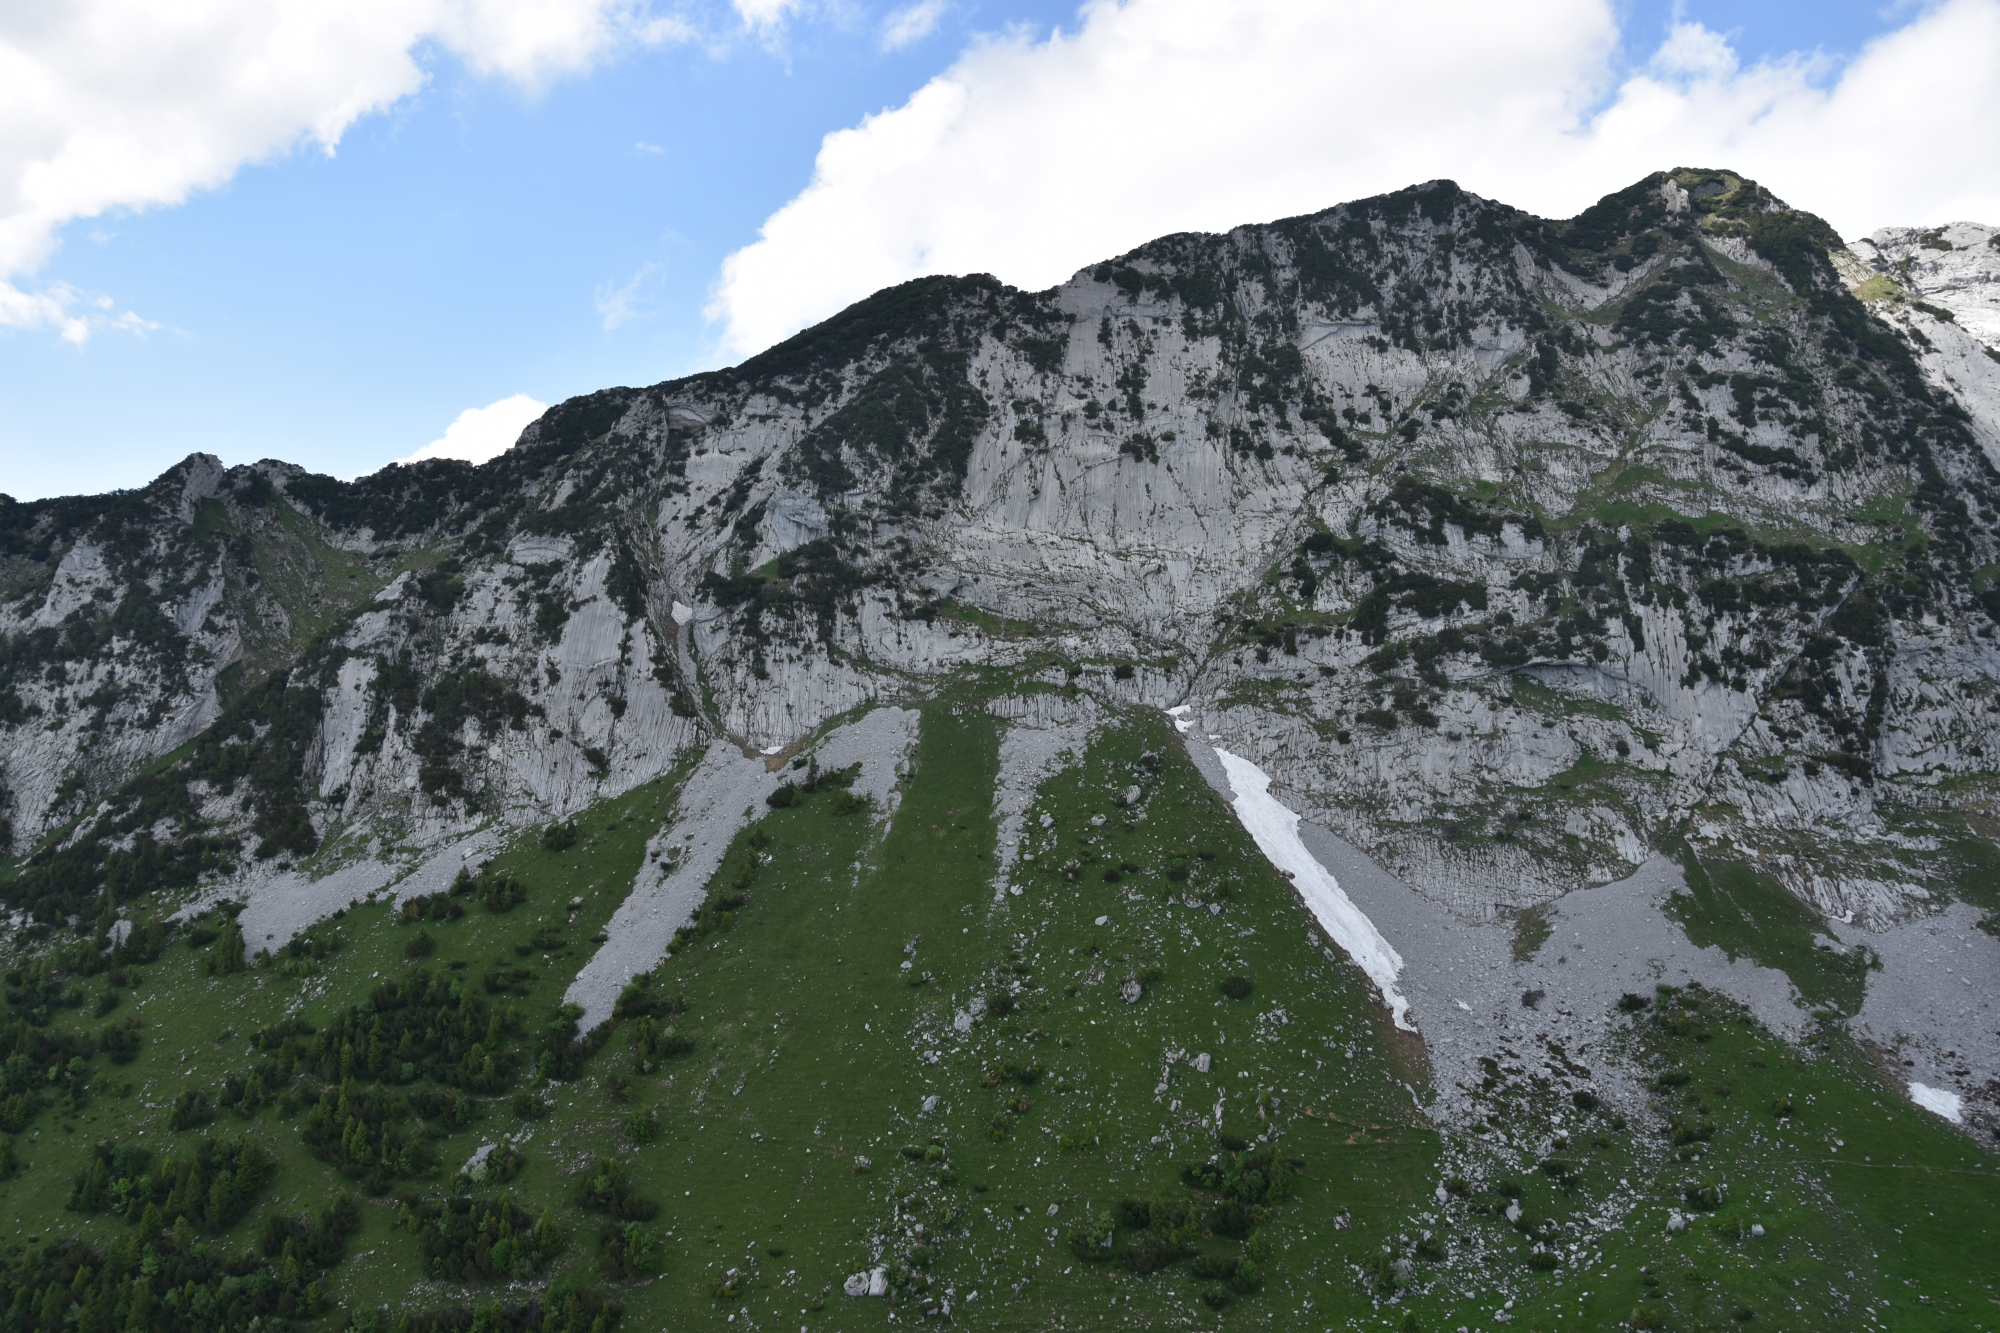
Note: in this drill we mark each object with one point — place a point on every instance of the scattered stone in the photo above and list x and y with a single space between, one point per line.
1131 990
1675 1222
1201 1063
1756 1228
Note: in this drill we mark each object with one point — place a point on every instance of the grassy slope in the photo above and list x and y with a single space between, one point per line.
813 1049
1865 1200
816 1051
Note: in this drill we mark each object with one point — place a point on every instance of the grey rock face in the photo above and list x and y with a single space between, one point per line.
1514 550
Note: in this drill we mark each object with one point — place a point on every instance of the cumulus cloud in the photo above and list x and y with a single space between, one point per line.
482 433
911 24
1029 157
128 104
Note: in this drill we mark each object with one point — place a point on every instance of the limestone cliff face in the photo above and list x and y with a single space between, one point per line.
1513 549
1941 288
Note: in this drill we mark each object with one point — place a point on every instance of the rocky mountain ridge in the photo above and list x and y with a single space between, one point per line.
1515 550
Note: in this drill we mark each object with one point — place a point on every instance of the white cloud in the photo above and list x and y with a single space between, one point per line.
626 302
130 104
1030 158
765 13
55 307
482 433
911 24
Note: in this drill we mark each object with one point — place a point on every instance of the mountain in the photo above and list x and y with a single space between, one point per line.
1620 588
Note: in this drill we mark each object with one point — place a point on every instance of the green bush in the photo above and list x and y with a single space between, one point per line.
468 1240
439 907
608 1189
501 892
629 1251
190 1110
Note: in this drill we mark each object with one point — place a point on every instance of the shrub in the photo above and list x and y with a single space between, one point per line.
1233 1217
559 837
643 1128
1628 1003
1215 1267
501 892
438 906
1091 1239
608 1189
420 945
190 1109
120 1041
356 1131
1146 1253
629 1250
1236 988
467 1240
211 1184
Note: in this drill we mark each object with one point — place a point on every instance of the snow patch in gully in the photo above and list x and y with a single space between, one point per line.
1276 832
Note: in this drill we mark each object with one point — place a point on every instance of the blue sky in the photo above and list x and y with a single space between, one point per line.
480 238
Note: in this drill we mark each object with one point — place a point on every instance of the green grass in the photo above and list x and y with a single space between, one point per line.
816 1051
1532 929
1864 1198
1747 914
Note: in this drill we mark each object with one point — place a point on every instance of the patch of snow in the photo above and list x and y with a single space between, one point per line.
1939 1101
1276 832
